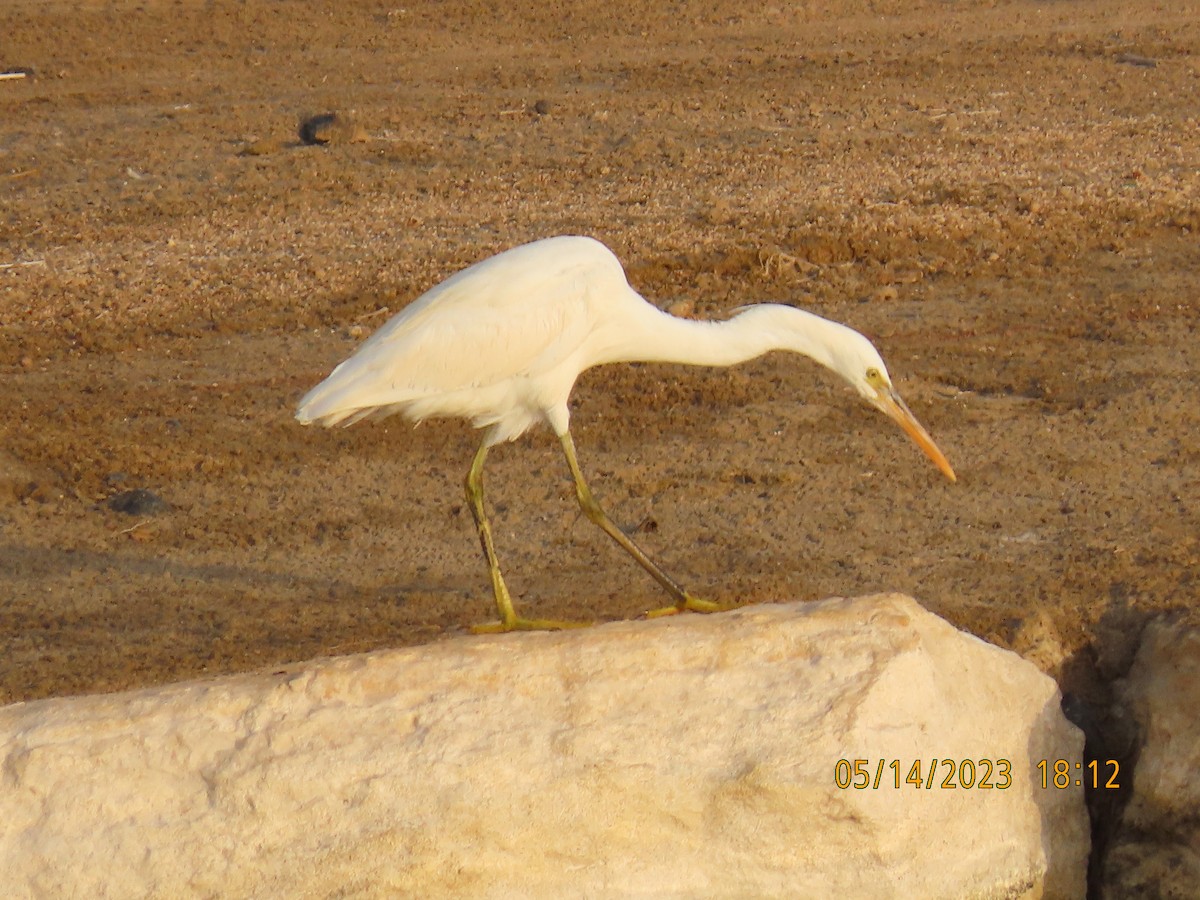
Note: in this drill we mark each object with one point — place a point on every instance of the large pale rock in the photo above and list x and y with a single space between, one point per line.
694 756
1156 851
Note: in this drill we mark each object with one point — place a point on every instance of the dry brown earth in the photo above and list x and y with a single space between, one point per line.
1004 195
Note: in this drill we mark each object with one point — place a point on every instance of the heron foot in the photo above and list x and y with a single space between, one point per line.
516 623
688 604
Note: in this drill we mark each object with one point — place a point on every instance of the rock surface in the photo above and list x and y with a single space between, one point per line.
1156 851
683 757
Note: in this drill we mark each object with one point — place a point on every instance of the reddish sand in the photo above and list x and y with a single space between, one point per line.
1002 195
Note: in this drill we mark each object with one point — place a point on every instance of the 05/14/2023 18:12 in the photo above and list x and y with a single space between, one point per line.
968 774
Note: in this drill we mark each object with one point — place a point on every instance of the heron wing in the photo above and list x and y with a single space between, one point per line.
499 334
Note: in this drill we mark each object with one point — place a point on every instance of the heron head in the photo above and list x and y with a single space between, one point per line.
857 360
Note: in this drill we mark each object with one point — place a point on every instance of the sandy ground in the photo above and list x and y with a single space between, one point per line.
1003 195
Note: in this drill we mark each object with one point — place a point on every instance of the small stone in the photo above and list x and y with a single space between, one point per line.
1133 59
1039 640
138 502
542 107
332 128
683 309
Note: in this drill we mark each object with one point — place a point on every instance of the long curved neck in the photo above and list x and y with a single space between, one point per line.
660 337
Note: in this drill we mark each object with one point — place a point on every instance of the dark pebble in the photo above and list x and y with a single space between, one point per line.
315 129
1132 59
138 502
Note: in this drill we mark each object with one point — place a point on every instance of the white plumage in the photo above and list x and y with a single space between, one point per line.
502 342
494 343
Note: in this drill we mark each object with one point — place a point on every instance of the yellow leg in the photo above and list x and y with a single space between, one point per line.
509 620
592 509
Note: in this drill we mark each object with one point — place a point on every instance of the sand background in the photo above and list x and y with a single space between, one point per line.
1004 196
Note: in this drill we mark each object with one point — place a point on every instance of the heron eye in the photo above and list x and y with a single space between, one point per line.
873 375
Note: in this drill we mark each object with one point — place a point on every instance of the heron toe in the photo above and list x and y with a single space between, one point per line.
688 604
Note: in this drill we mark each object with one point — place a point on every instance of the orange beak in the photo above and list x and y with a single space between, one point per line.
889 402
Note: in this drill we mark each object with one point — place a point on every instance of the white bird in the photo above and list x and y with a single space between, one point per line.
502 342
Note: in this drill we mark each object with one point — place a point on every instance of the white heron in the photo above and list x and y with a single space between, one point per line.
502 342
